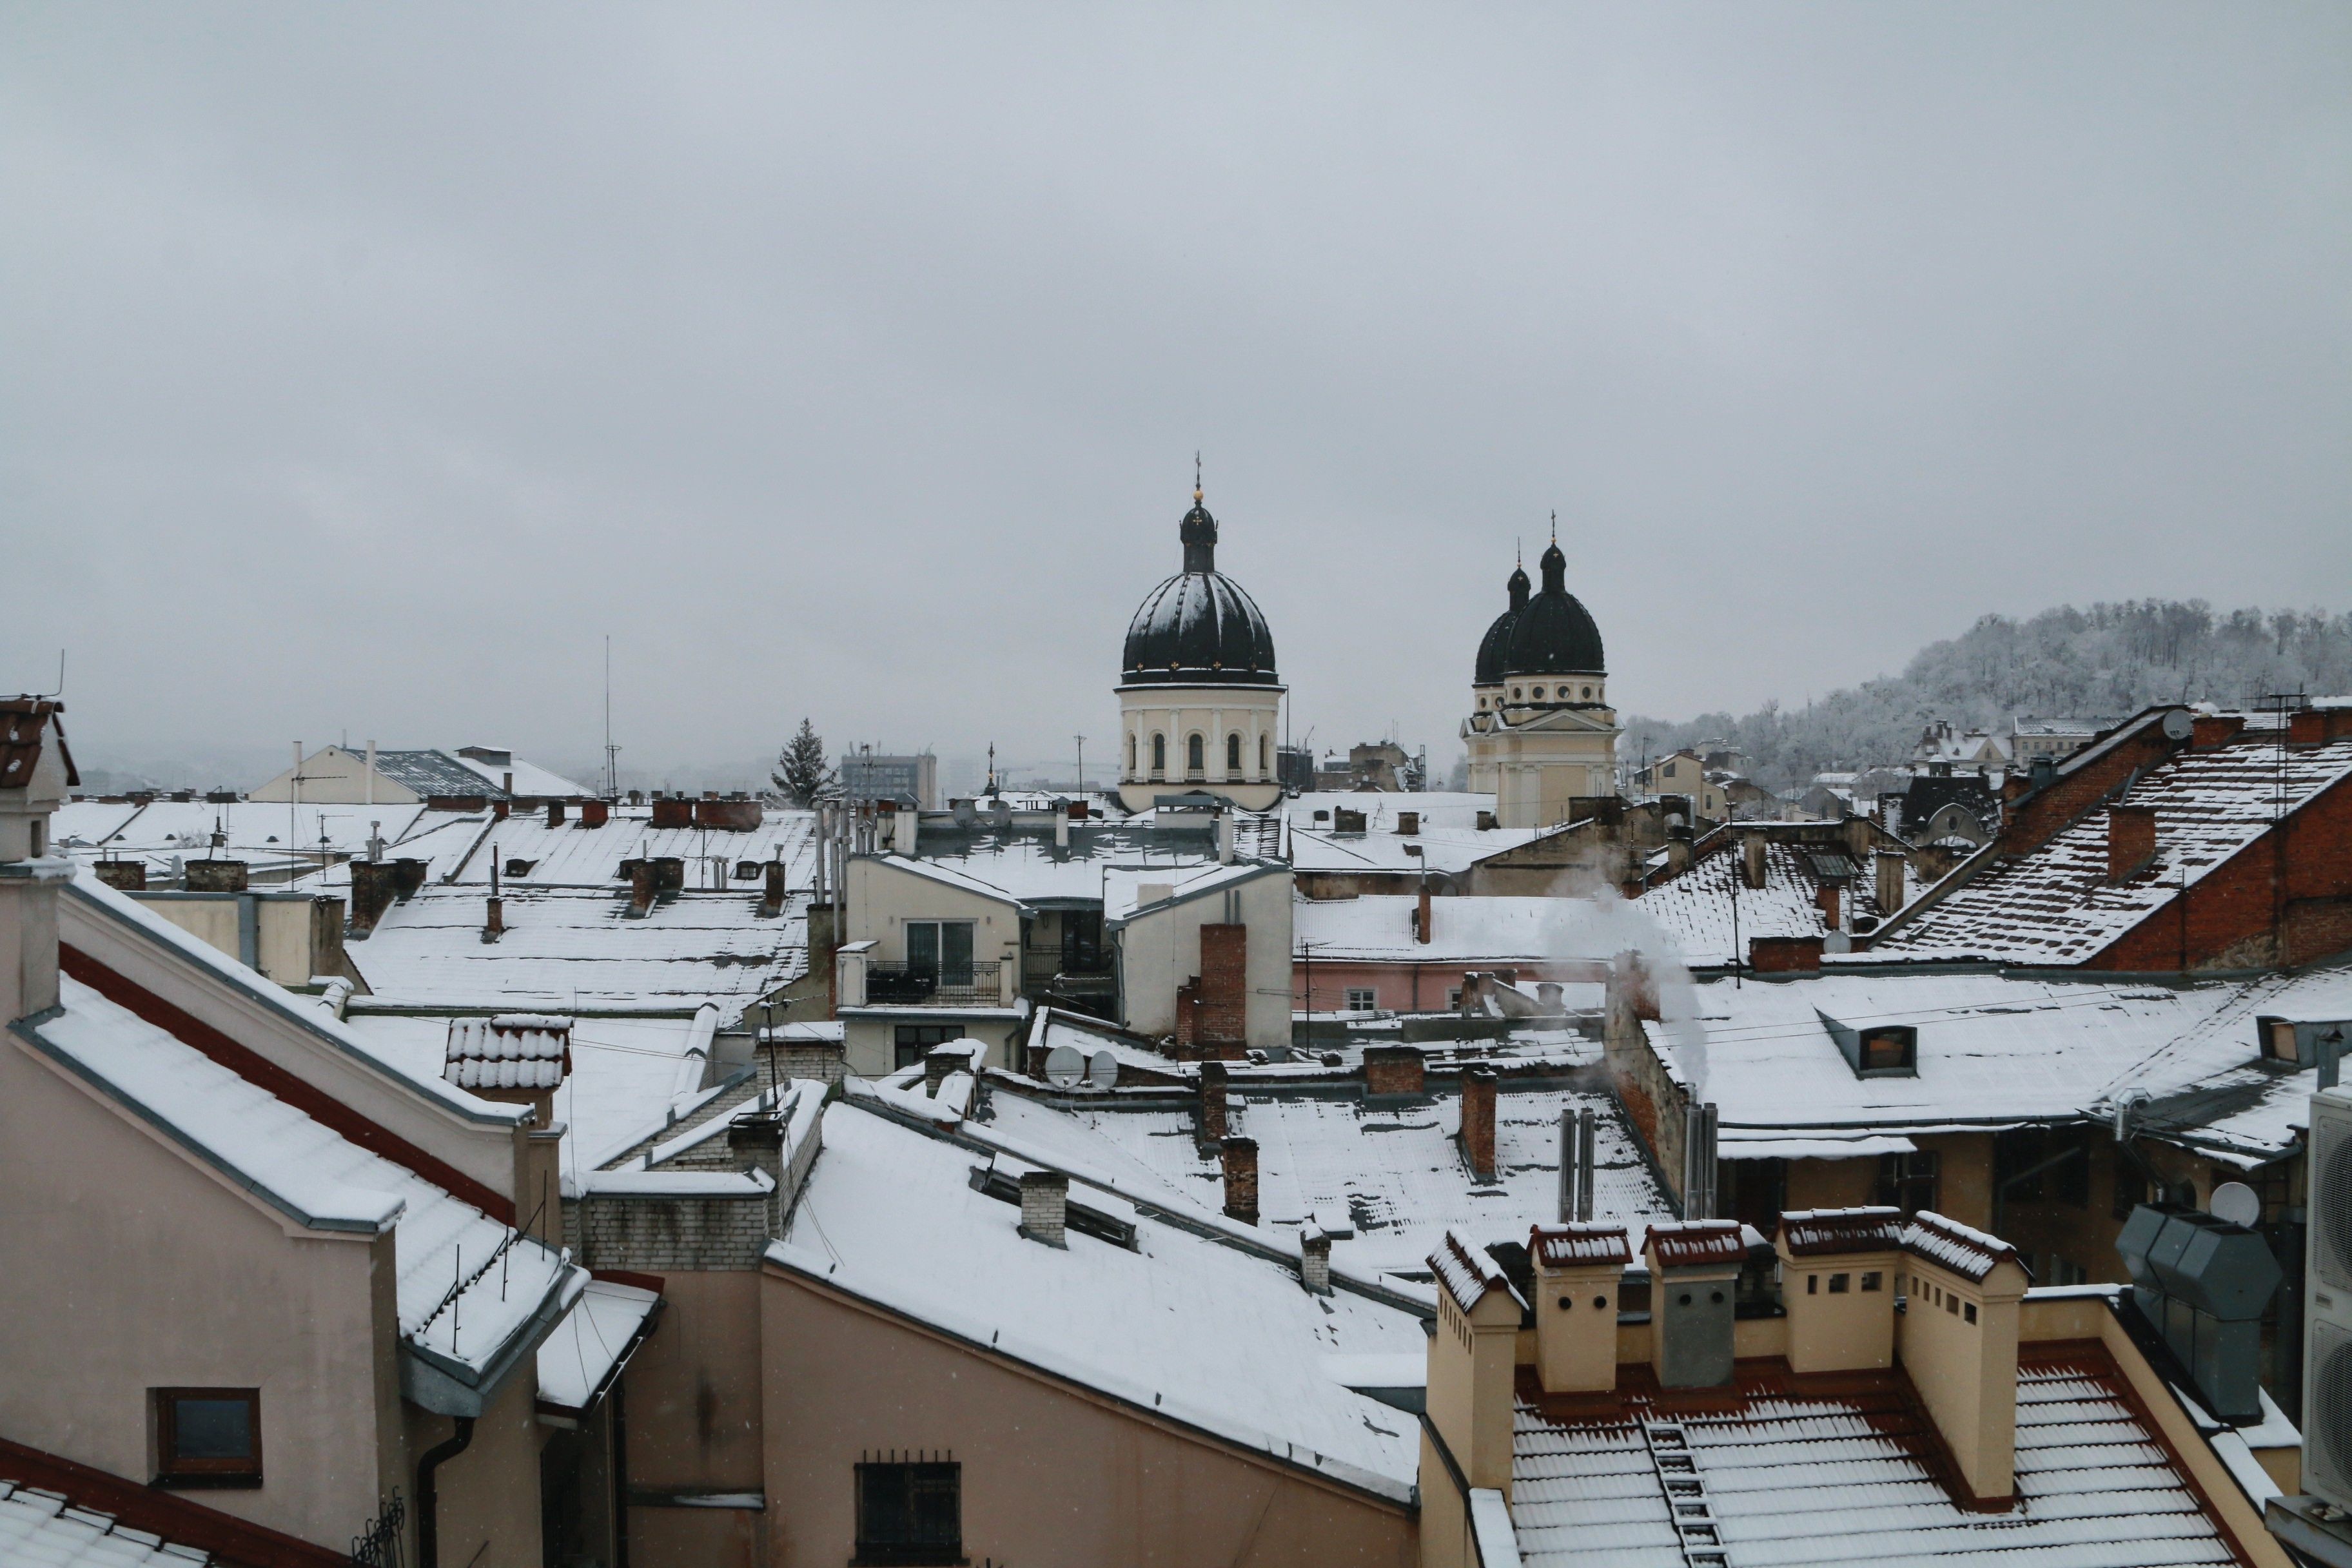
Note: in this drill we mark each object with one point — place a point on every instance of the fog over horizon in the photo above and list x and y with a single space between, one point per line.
366 367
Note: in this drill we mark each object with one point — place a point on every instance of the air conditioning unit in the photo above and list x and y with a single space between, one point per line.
2327 1317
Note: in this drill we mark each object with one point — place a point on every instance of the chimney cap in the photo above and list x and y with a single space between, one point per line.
1963 1249
1696 1242
1821 1233
1468 1272
1579 1243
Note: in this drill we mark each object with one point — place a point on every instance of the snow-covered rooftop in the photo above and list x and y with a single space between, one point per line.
1379 926
568 948
2056 904
1798 1472
44 1529
1203 1334
1696 908
309 1172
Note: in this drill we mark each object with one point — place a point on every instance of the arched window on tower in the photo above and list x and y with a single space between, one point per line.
1159 756
1130 755
1261 757
1196 756
1234 754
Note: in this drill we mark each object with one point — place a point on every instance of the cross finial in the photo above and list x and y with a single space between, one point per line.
1196 476
1518 552
1555 525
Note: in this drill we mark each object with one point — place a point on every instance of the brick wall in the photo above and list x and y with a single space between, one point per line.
2034 819
1392 1069
2294 882
1224 983
656 1235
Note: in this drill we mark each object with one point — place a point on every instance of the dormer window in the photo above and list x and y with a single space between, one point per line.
1879 1050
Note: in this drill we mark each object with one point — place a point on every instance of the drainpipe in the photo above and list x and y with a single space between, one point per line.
428 1543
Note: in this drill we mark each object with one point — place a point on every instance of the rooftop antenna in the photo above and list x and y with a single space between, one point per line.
1082 767
611 773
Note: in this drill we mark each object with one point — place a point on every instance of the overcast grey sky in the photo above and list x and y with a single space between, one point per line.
364 366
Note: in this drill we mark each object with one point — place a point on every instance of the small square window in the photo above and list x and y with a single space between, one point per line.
909 1513
1968 1311
1871 1279
1840 1284
1812 1284
1952 1304
207 1436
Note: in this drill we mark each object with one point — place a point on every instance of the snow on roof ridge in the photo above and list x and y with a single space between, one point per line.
1962 1248
1821 1232
1579 1242
1468 1271
1687 1243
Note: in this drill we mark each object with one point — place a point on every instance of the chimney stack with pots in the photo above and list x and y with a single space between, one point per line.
1837 1280
1957 1340
1694 1275
1578 1270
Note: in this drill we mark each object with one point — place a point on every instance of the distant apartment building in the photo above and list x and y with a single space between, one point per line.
912 779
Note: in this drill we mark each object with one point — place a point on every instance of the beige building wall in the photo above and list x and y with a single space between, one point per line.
884 897
125 1266
486 1498
1161 950
291 935
1212 712
332 777
694 1411
1052 1474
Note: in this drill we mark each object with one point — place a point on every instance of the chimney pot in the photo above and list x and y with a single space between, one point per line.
642 882
1240 1156
1407 824
1421 917
1314 1258
495 924
1825 895
772 901
1212 1103
555 814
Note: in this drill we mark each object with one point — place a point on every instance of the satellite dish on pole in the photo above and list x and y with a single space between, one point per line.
1064 1067
2237 1203
1102 1071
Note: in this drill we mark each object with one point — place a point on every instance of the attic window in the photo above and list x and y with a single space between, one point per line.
518 867
1894 1049
207 1436
746 870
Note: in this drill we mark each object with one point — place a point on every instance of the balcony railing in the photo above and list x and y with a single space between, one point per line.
974 984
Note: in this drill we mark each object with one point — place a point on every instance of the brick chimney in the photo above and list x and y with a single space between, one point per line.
641 887
2131 840
772 899
1421 917
1837 1280
1315 1258
1478 1122
1393 1070
210 876
1224 974
672 811
1578 1268
1045 1206
1957 1340
1784 954
408 876
1407 824
1241 1178
1210 1129
2209 730
123 875
1888 865
595 812
374 883
555 814
494 918
1825 897
1751 860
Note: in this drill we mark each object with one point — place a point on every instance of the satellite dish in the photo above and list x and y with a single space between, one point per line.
1102 1071
2178 725
2237 1203
1064 1067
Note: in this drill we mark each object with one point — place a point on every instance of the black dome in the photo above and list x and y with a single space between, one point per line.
1498 636
1555 634
1199 628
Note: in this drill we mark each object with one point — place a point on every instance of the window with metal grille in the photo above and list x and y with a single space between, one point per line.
909 1513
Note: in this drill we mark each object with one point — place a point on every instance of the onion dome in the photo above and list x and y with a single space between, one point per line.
1554 635
1199 628
1498 636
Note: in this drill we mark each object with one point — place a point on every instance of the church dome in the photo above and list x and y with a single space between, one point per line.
1199 628
1554 635
1498 636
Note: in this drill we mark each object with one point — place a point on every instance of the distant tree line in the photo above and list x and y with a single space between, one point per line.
2105 661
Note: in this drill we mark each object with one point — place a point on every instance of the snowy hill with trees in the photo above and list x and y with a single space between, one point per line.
2107 660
